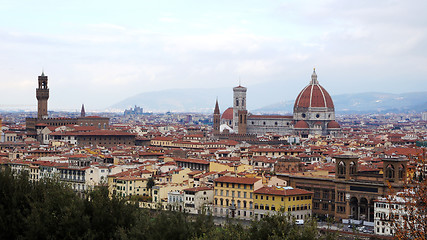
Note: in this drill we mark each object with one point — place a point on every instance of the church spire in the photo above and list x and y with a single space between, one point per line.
314 77
83 112
216 111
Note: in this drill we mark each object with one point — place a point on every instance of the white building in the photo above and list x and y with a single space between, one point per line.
394 211
198 199
176 200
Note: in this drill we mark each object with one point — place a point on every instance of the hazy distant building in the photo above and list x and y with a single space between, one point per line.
135 111
424 116
314 114
43 120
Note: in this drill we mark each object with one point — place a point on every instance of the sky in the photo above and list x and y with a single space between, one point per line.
101 52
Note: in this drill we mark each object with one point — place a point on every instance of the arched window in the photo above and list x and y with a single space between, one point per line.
341 168
237 102
401 172
389 172
353 168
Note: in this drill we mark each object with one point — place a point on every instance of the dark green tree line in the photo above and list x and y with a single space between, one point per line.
48 209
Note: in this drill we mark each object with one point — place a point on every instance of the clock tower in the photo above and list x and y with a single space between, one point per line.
42 95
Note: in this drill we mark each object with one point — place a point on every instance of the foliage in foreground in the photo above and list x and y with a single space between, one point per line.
49 209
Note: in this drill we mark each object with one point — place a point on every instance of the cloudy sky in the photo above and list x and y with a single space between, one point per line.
100 52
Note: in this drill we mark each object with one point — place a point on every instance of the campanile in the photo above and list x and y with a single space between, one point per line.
42 95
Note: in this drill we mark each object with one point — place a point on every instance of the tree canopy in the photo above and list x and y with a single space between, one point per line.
49 209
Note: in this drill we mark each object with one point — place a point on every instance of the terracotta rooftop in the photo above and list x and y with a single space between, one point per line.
281 192
241 180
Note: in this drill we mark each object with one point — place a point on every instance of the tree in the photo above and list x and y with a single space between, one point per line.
150 183
411 221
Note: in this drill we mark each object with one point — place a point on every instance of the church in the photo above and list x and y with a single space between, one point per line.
314 114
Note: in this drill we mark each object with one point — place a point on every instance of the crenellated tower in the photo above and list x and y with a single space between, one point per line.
42 95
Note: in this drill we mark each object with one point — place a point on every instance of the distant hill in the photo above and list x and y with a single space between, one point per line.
203 100
364 103
177 100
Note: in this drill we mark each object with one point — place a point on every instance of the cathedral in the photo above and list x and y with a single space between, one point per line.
314 114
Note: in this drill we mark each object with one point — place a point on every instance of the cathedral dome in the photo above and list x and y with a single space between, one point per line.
301 124
228 114
313 95
333 124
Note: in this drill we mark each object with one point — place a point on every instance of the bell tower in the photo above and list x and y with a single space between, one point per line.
239 109
346 166
216 119
42 95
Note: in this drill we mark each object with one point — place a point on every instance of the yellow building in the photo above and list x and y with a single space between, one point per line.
180 176
233 196
270 200
236 168
129 186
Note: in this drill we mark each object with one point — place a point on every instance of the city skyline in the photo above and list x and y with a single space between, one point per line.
100 53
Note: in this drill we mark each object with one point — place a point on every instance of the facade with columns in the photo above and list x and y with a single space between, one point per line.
314 114
352 193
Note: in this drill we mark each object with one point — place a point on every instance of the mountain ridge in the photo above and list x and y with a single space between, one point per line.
203 100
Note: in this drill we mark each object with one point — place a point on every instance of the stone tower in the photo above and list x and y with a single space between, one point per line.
239 109
42 95
83 112
216 119
395 170
346 166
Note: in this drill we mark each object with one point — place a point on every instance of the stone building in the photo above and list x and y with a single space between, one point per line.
35 125
351 193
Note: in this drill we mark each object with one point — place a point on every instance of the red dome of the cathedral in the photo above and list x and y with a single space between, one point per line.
301 124
313 95
333 124
227 114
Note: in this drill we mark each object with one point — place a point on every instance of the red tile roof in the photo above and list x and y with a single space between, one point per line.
313 95
227 114
197 189
301 124
281 192
241 180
